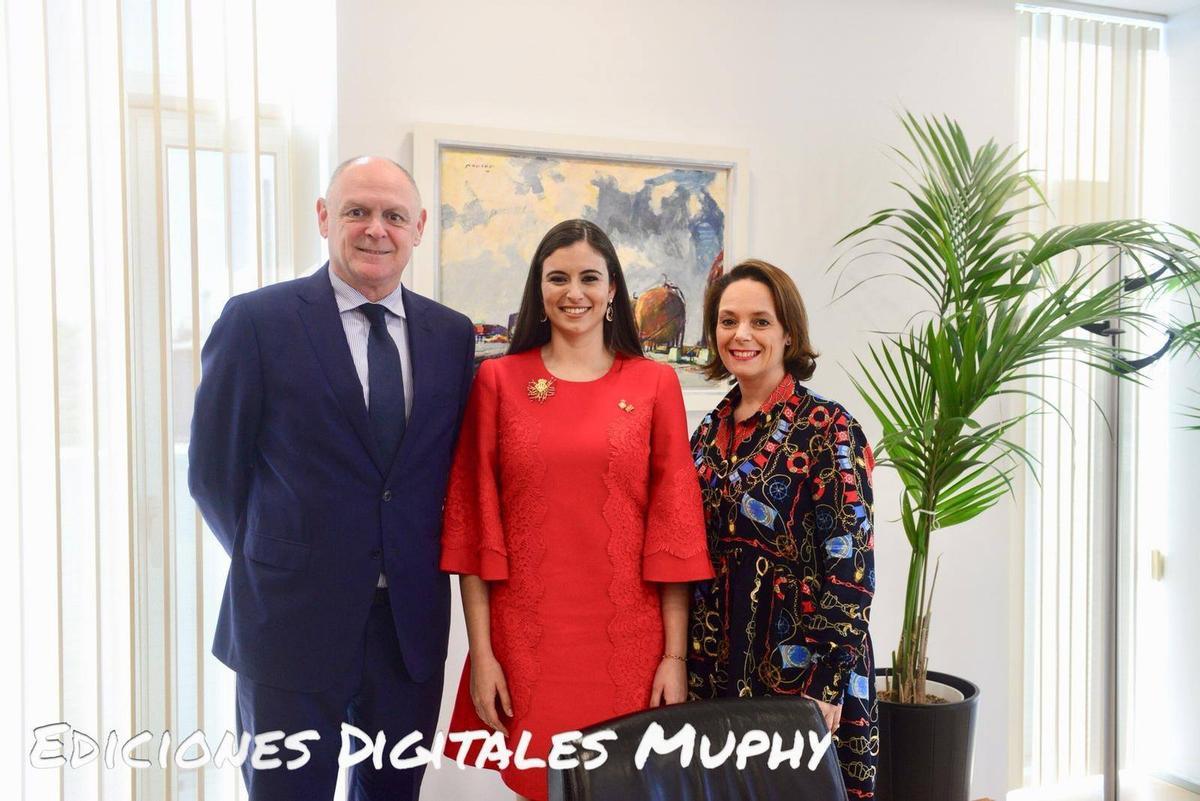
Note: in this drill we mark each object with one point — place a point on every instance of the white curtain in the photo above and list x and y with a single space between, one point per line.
153 157
1089 111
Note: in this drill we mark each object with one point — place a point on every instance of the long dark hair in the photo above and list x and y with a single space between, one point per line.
620 335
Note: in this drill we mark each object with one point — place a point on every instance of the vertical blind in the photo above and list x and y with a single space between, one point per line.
151 151
1088 116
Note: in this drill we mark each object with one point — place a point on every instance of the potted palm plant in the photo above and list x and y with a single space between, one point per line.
997 311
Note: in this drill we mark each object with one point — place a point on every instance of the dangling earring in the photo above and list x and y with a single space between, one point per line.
608 315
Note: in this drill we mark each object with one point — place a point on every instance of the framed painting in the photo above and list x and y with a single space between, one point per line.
675 213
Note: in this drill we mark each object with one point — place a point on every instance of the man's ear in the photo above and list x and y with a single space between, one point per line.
420 227
322 218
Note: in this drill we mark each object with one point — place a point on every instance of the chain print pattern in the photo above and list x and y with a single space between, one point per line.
788 510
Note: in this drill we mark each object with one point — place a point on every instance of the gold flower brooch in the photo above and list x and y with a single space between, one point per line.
541 389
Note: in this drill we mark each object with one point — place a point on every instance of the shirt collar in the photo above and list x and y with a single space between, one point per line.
349 298
785 390
786 387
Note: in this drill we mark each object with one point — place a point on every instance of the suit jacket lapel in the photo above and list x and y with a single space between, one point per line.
324 325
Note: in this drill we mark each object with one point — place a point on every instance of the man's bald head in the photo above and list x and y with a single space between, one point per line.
372 217
355 160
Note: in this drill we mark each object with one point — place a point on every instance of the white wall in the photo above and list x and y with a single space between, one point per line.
811 90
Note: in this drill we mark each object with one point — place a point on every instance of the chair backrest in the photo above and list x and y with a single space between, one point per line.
780 718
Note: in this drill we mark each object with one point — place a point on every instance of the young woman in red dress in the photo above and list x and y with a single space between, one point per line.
573 514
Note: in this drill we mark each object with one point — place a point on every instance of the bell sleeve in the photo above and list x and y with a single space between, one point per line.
472 533
676 546
845 537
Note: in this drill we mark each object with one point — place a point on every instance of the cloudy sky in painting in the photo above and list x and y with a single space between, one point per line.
496 207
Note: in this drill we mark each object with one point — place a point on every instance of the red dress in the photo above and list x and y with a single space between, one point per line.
572 499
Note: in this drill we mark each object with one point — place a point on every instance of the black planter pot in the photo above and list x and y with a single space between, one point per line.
925 749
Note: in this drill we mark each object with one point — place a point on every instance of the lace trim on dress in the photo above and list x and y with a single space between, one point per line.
676 516
472 514
466 511
517 602
636 618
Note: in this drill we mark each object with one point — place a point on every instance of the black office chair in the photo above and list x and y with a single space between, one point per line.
663 778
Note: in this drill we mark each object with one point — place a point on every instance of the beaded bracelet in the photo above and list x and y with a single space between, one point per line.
673 656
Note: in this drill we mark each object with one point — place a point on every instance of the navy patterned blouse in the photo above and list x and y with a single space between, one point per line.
789 520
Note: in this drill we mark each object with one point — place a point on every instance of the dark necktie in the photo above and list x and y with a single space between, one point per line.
386 379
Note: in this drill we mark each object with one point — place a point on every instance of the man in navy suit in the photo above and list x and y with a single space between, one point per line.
321 443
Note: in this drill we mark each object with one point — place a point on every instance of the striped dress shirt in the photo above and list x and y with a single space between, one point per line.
358 328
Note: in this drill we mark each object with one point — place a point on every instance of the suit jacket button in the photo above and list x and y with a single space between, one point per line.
376 554
387 495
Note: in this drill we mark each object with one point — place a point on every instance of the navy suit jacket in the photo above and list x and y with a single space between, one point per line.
284 468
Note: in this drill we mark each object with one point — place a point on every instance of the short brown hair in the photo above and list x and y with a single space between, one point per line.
799 358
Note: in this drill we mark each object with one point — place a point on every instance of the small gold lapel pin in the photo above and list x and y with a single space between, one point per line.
624 405
540 389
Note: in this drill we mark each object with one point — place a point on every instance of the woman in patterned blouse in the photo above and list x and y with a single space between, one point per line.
786 481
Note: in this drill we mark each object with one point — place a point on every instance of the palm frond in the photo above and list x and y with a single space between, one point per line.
1004 303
